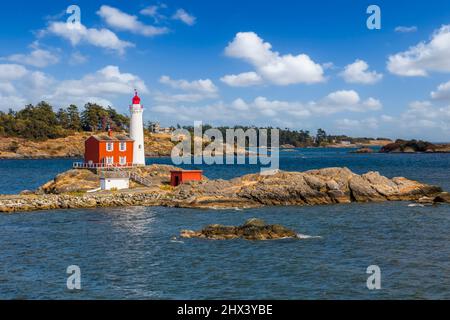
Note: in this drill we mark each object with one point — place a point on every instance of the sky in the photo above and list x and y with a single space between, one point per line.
295 64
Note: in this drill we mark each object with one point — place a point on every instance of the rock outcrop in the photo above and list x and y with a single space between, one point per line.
252 229
443 197
413 146
363 150
314 187
71 181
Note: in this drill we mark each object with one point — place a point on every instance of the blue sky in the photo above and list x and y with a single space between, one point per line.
284 63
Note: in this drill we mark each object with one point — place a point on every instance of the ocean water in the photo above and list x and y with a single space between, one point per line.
127 253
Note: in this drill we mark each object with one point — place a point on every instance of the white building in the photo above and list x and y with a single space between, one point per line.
111 180
137 131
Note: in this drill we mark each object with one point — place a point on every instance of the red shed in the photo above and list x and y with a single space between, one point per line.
178 177
109 150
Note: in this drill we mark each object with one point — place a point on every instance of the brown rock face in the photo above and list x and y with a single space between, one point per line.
72 181
324 186
443 197
314 187
253 229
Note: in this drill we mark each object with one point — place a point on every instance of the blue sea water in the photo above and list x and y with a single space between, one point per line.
127 253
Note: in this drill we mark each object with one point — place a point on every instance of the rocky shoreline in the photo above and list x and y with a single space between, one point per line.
315 187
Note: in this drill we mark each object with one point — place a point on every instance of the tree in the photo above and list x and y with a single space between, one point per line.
74 118
118 121
93 116
63 118
321 137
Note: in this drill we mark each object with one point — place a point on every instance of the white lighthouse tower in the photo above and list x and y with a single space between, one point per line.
137 130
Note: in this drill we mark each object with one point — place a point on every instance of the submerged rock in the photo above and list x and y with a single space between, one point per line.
252 229
443 197
363 150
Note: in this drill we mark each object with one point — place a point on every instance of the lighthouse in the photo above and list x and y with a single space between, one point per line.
137 130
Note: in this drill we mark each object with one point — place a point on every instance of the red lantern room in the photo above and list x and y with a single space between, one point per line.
136 99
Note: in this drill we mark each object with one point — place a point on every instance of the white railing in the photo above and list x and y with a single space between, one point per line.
84 165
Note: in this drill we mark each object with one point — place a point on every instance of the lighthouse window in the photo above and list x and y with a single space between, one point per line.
123 146
140 147
109 146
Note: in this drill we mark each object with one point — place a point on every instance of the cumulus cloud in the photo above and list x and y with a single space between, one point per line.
184 17
31 87
106 82
123 21
403 29
206 86
425 57
37 58
271 111
361 124
77 33
12 72
77 58
358 72
442 92
245 79
193 91
271 65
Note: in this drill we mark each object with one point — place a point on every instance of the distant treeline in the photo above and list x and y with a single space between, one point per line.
40 122
296 138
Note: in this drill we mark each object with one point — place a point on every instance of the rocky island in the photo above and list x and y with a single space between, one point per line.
414 146
252 229
326 186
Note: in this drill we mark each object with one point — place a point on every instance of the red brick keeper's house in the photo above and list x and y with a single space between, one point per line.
109 150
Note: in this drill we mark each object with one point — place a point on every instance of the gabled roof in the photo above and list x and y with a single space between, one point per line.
105 137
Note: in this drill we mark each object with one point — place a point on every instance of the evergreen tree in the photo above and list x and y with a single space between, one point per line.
74 118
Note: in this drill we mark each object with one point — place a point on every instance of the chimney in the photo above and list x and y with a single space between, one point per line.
110 133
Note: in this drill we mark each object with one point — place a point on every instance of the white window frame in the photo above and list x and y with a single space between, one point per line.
110 146
123 160
109 160
122 146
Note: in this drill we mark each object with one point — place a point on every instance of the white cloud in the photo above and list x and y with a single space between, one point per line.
403 29
100 86
153 11
270 65
106 82
12 72
425 57
194 91
37 58
185 17
78 33
123 21
358 72
352 124
345 100
268 111
442 92
242 80
423 115
204 86
77 58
